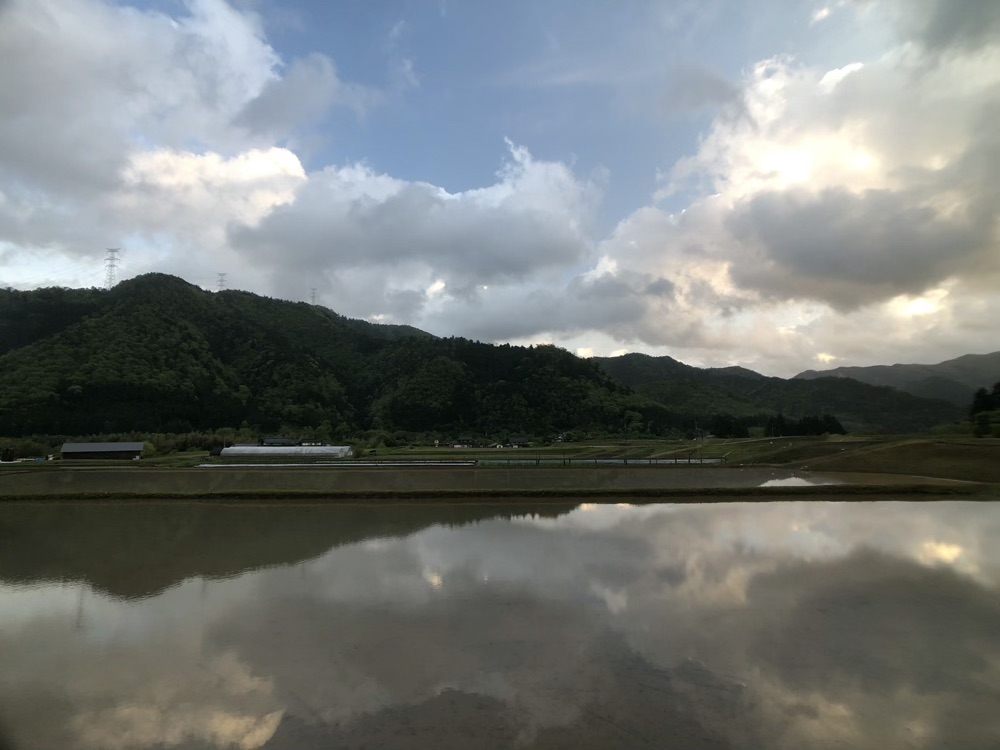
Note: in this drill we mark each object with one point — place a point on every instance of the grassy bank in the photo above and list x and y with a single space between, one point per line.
970 460
840 492
397 481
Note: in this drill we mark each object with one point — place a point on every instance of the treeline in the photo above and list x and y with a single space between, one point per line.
984 413
671 426
824 424
773 425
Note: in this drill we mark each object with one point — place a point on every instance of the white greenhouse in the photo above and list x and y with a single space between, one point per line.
287 451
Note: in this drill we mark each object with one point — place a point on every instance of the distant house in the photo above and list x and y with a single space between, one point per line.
286 451
109 451
276 441
519 442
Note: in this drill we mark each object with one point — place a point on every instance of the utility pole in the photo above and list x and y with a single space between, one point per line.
110 266
221 280
312 295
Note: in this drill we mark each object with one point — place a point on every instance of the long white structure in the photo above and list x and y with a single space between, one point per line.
300 451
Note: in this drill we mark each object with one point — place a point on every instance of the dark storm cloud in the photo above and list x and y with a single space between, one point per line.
463 239
851 249
404 304
603 303
661 288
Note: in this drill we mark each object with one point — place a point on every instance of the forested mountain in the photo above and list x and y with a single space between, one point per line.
158 354
742 392
954 380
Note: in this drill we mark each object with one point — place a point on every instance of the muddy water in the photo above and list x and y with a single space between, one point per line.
773 625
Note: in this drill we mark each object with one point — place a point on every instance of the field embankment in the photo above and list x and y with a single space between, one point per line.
444 484
973 460
200 481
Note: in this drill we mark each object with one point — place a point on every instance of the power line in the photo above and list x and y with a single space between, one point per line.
221 280
110 266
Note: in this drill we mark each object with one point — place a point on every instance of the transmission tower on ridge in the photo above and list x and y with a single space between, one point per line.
110 266
221 280
312 295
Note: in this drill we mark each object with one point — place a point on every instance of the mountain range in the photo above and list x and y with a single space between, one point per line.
954 380
742 392
157 354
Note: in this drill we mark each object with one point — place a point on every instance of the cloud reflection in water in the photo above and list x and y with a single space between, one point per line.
782 625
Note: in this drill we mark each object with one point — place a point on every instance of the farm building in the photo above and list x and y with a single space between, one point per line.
114 451
298 452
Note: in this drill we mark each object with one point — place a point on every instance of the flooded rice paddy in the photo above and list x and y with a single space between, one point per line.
758 625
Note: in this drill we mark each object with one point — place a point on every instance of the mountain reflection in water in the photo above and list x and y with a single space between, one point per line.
779 625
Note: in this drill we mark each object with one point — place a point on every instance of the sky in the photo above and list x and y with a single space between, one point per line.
777 184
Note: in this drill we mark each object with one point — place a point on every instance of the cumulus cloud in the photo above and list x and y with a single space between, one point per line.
531 221
162 138
831 191
71 116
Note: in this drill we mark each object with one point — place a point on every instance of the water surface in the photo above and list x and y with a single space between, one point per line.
758 625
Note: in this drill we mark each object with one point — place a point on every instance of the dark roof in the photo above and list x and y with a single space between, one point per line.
101 447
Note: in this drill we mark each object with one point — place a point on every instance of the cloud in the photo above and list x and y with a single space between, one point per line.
848 249
182 192
693 89
402 70
820 15
72 118
304 95
156 143
350 219
405 74
829 191
940 26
